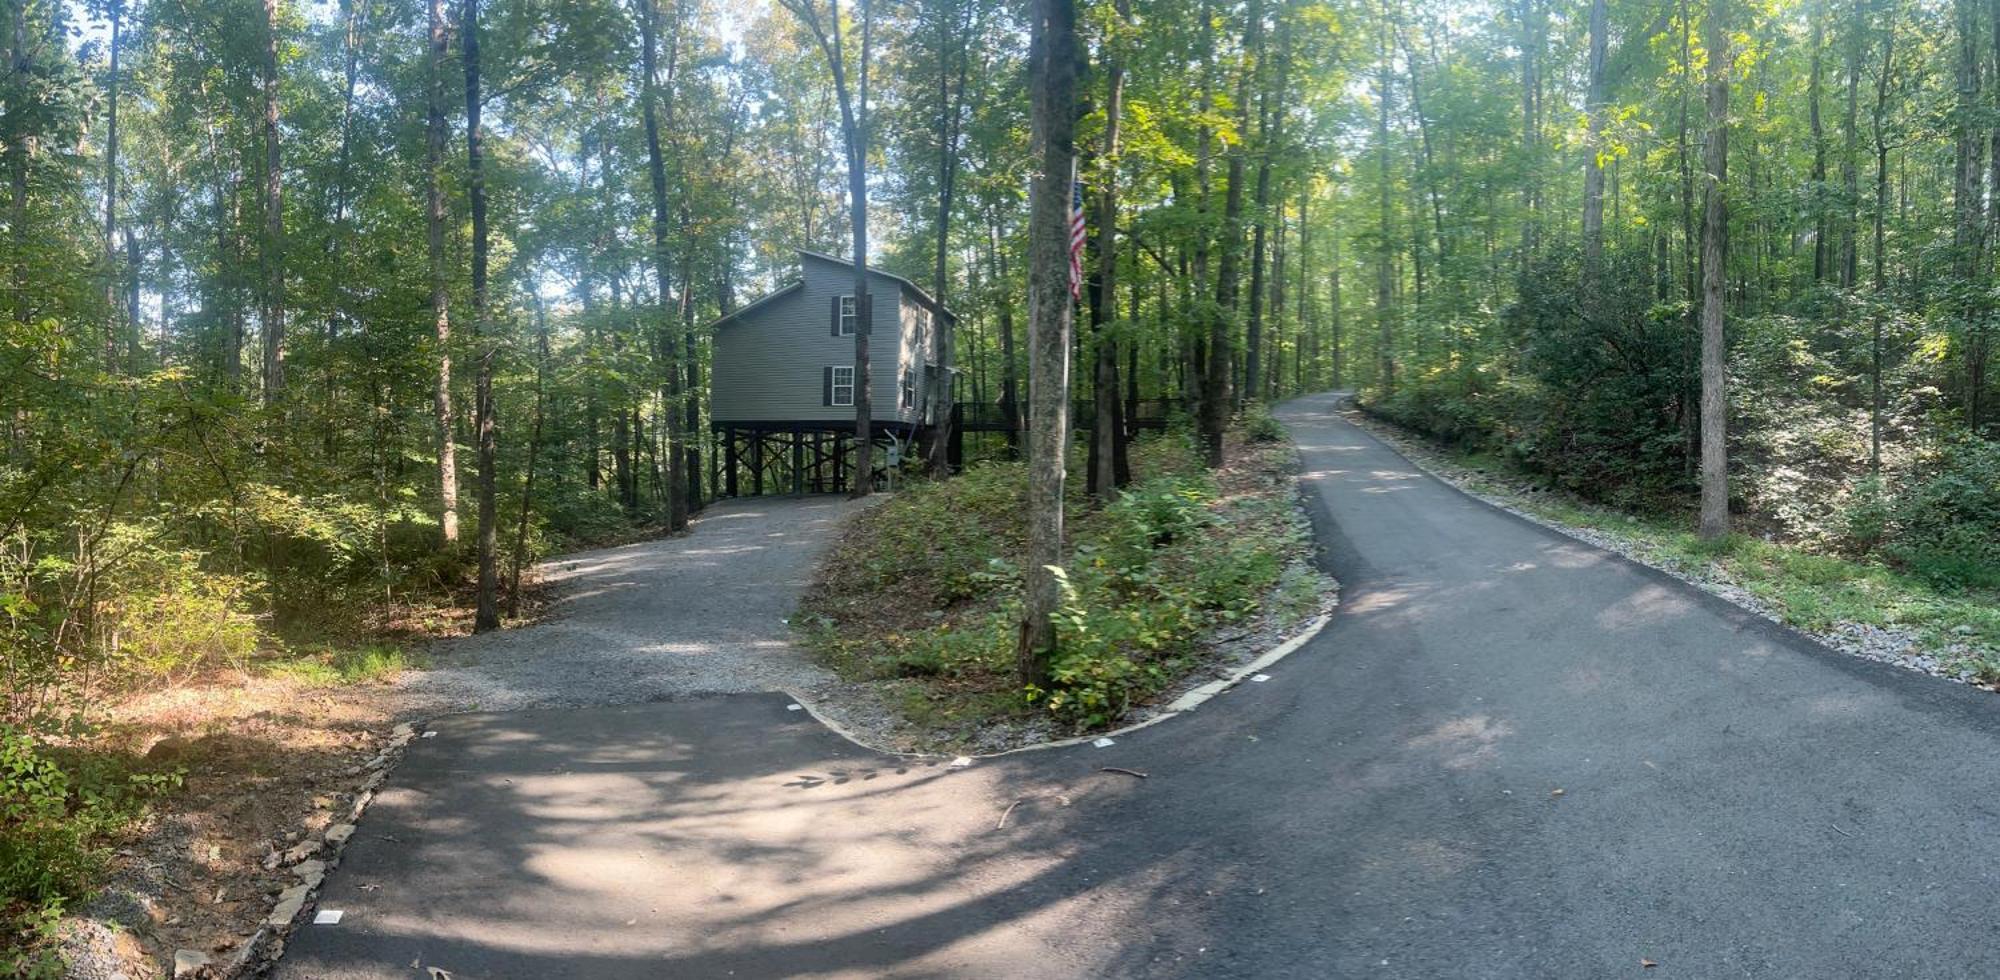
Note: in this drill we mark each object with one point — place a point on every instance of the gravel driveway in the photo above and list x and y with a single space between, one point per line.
702 613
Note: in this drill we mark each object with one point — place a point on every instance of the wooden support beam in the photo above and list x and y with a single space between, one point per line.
730 459
798 461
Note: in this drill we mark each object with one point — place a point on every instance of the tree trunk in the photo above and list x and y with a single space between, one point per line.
854 132
1053 60
951 111
434 147
1817 191
665 343
534 449
1881 258
1714 240
487 615
1385 281
1109 469
1593 147
1335 326
1217 395
1010 403
1967 235
1270 129
111 340
1531 126
274 220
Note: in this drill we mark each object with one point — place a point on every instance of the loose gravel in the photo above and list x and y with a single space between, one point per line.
701 613
1896 645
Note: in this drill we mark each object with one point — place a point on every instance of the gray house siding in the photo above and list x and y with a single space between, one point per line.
771 358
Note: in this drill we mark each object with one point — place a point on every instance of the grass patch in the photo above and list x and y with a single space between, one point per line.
922 595
335 666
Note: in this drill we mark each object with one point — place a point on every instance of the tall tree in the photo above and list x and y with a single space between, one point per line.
666 344
1109 468
1593 163
435 133
955 23
272 202
1054 63
1714 241
487 614
854 121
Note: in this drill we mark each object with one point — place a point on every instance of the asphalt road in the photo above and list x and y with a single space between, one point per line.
1734 801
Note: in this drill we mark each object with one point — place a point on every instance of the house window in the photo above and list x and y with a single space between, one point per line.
909 388
843 385
847 316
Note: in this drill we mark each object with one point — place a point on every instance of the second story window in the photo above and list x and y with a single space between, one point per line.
847 316
909 388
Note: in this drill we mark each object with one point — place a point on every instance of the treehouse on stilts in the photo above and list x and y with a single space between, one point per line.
784 381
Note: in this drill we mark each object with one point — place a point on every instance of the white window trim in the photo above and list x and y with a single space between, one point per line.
909 389
838 386
850 316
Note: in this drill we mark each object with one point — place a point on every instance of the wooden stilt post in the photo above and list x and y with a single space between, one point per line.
729 460
798 461
757 462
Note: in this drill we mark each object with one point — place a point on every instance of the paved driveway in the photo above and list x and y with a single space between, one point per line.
1733 801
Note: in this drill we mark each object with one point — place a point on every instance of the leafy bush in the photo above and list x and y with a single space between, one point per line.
1157 512
54 824
1259 425
125 607
1598 395
163 614
1946 517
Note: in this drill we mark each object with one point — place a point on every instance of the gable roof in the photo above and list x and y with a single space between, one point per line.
760 301
923 298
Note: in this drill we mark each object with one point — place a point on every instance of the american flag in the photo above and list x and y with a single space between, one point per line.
1076 236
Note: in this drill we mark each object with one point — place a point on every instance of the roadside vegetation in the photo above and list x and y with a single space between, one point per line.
922 595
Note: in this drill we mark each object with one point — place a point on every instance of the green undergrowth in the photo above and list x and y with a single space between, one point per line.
1809 589
332 666
922 593
60 812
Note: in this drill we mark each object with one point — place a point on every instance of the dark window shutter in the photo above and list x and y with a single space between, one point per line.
826 383
836 316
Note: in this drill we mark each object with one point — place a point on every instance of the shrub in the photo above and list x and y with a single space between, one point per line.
1946 517
54 824
1259 425
1154 513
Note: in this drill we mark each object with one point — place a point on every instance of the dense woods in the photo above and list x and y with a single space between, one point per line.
274 273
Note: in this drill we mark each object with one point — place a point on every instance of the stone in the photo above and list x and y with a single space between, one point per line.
290 901
404 730
338 834
310 873
190 963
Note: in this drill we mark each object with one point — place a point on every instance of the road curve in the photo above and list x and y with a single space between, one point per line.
1510 755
